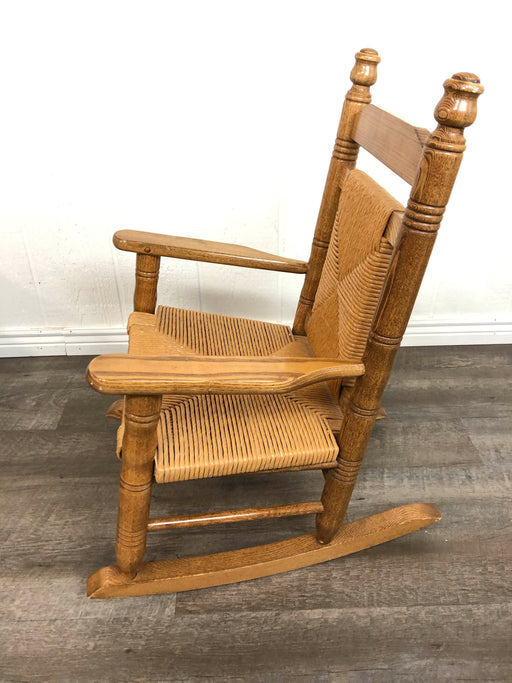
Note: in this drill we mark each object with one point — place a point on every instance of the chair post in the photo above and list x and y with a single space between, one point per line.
344 157
146 281
430 193
139 445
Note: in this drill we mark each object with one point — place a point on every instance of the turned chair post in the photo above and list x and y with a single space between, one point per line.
146 281
429 195
141 417
344 157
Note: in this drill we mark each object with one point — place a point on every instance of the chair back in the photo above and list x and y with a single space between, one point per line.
355 269
369 255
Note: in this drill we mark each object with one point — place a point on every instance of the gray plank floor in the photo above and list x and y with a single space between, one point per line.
432 606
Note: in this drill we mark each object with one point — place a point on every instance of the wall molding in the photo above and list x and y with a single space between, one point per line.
62 342
446 333
76 342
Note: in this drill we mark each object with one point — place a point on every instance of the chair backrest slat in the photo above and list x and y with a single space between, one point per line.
394 142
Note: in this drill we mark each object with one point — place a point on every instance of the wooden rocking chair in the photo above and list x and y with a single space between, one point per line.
209 395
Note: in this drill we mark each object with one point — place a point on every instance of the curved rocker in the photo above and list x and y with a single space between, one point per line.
190 573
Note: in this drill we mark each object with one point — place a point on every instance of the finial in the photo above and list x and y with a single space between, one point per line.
363 75
457 107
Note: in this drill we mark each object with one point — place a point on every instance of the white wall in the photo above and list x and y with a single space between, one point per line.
216 119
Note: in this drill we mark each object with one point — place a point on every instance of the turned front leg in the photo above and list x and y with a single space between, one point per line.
139 445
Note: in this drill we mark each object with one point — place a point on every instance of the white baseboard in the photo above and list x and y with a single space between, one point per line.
71 342
457 333
62 342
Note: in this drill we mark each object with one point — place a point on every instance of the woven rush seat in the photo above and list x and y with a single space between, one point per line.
207 436
213 436
216 435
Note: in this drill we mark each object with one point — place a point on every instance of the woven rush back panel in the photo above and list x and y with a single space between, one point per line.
355 270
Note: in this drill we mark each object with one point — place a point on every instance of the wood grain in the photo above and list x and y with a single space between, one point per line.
343 160
122 374
394 142
146 282
188 248
141 416
230 516
377 297
429 195
250 563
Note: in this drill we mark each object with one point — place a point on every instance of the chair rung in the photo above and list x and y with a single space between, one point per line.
228 516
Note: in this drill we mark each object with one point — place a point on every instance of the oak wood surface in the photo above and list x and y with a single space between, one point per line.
427 202
230 516
190 573
431 165
189 248
147 270
119 374
141 415
343 160
396 143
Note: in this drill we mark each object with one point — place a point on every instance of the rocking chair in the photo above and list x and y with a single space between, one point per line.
210 395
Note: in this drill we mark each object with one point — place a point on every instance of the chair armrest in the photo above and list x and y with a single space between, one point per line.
191 249
146 375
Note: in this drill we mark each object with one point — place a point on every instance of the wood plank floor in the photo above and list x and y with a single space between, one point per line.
432 606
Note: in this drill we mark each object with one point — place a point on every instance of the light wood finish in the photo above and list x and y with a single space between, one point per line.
398 144
122 374
146 282
425 208
208 251
141 418
230 516
190 573
382 311
344 157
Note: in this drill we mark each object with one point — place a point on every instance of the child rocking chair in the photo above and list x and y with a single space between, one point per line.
210 395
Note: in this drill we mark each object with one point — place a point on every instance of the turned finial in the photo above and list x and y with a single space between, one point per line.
457 107
363 75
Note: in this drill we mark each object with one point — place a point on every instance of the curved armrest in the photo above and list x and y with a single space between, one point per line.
191 249
146 375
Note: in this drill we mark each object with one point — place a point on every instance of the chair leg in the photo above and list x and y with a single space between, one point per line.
139 445
340 481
